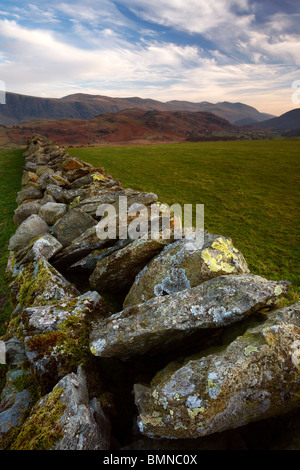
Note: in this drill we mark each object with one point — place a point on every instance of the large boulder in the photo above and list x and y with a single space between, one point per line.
25 210
52 211
73 224
45 246
39 283
116 272
32 227
28 193
79 248
91 204
163 321
253 378
185 264
56 336
66 419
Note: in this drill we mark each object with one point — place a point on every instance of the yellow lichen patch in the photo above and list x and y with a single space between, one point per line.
154 420
250 349
224 246
278 290
194 412
180 426
215 264
98 177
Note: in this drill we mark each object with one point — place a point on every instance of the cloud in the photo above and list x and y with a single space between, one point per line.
40 53
232 25
193 16
35 14
81 47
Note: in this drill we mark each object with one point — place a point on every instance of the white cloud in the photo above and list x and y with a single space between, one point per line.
231 25
96 55
193 16
35 14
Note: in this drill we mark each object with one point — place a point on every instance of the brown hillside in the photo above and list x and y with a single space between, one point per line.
129 126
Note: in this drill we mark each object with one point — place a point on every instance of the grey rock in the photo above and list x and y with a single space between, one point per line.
15 352
163 321
32 227
88 263
185 264
73 224
73 195
91 204
25 210
52 211
28 193
255 377
49 317
47 198
85 426
57 192
117 271
79 248
14 403
82 423
45 246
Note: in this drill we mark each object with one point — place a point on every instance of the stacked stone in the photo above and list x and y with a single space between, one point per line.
80 300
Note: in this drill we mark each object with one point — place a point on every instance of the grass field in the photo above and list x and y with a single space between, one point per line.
250 191
11 163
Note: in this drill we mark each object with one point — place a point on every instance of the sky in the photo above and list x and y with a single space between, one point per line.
195 50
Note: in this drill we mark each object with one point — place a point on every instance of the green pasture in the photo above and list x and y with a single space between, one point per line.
250 191
11 163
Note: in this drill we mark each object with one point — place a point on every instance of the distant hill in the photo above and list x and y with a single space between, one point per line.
128 126
20 108
286 122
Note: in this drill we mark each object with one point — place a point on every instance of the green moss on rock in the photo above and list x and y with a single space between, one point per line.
42 429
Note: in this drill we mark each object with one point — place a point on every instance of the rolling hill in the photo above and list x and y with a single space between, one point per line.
20 108
128 126
286 122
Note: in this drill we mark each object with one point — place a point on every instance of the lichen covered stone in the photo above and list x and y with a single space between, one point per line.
161 322
253 378
184 264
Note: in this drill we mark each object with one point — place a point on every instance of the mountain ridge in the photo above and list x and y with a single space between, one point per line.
20 107
287 121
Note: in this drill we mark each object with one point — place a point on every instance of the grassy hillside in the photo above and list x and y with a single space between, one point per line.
250 191
11 162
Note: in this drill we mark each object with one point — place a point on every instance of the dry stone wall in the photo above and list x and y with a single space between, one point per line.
134 344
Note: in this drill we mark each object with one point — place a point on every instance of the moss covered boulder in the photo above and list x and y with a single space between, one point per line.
56 337
65 419
255 377
183 265
16 400
39 283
